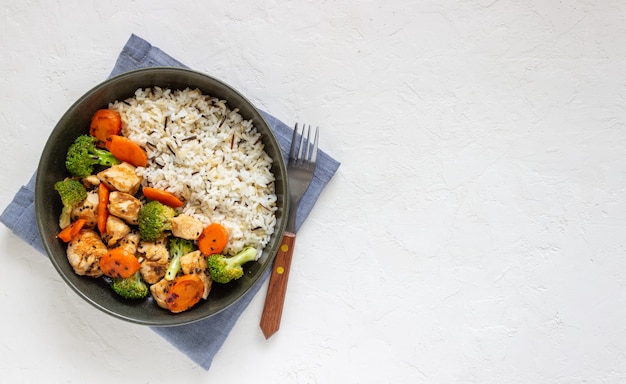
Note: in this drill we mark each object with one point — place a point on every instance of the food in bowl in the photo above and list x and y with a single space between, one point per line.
181 195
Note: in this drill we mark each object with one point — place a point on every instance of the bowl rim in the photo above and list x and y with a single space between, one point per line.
279 228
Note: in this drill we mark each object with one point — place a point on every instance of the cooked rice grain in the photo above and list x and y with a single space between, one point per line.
208 155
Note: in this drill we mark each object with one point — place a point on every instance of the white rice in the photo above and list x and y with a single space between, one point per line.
209 156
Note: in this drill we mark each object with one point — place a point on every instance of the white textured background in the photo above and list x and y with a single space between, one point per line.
473 234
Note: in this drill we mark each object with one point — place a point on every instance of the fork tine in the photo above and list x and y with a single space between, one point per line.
303 141
292 149
315 142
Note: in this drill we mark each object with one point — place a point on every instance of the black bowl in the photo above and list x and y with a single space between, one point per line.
52 169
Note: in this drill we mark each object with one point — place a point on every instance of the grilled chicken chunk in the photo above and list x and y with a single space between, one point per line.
159 292
91 181
121 177
124 206
130 242
186 227
194 263
84 252
155 260
116 229
88 210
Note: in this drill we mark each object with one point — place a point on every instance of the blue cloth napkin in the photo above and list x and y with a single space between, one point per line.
201 340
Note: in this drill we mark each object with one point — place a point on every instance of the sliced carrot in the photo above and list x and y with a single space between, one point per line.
124 149
103 211
185 292
68 233
105 123
213 239
162 196
118 262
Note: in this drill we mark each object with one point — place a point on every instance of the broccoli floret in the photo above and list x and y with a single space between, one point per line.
83 155
132 287
178 247
154 219
224 269
72 193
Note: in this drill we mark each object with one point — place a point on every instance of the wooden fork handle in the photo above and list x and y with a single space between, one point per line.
275 298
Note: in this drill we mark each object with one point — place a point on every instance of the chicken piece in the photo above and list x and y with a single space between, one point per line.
121 177
88 210
194 263
116 229
91 181
186 227
152 270
84 252
130 242
160 290
155 260
154 250
124 206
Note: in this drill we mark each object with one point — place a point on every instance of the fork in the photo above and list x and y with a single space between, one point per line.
300 168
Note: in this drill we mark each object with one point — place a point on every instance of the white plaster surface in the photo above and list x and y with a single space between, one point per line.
474 233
